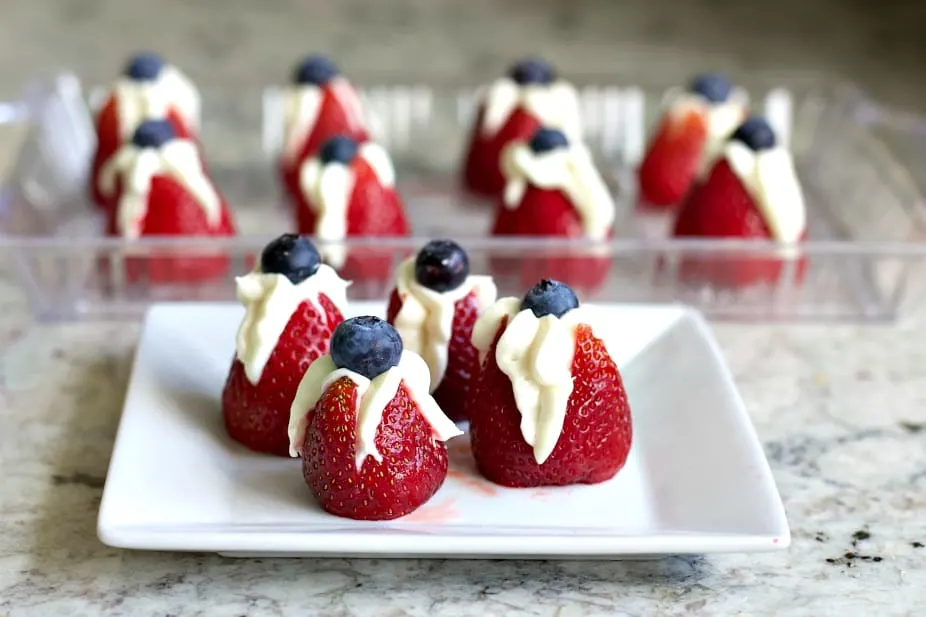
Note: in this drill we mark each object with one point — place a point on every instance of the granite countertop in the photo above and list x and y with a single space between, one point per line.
840 410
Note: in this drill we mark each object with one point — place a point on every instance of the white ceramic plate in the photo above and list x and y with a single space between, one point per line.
696 481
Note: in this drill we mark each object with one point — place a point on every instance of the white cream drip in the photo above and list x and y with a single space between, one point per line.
570 170
137 101
554 105
178 159
269 302
425 321
373 396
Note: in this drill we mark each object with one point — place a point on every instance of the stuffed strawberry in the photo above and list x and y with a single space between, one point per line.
292 304
550 408
149 89
158 187
689 137
434 307
369 433
752 191
512 108
319 104
348 190
553 189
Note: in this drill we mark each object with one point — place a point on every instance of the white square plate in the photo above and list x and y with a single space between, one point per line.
696 481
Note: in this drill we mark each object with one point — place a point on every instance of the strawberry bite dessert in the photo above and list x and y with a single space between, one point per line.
752 191
292 305
158 186
348 190
370 435
148 89
319 104
434 307
554 189
691 134
550 407
512 108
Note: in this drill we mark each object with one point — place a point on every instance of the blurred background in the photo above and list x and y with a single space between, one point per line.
880 45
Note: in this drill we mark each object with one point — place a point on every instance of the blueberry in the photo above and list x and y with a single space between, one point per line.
366 345
316 70
441 265
756 133
153 133
339 149
291 255
532 71
144 66
713 86
550 298
545 140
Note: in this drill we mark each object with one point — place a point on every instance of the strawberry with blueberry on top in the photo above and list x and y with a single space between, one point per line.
292 303
752 191
689 136
433 307
511 109
550 408
148 89
370 436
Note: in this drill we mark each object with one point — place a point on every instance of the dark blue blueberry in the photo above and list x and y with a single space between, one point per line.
291 255
339 149
545 140
316 70
532 71
550 298
366 345
441 265
153 133
144 66
713 86
756 133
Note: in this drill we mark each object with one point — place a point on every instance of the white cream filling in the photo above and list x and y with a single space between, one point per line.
555 105
177 159
269 302
137 101
570 170
425 321
328 189
373 397
302 105
722 119
536 355
770 178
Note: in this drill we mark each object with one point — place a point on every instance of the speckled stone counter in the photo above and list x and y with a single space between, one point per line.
841 410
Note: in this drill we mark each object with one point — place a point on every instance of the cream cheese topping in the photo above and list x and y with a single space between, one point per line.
554 105
373 396
177 159
425 321
137 101
269 302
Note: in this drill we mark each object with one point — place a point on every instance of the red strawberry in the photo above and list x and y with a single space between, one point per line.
482 173
109 141
595 439
721 207
258 415
333 119
373 210
453 394
413 468
173 211
671 163
549 212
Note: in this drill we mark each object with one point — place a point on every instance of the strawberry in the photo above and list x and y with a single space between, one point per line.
721 207
594 441
482 173
671 162
258 415
414 464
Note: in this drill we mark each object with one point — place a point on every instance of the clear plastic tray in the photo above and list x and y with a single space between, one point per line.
866 214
